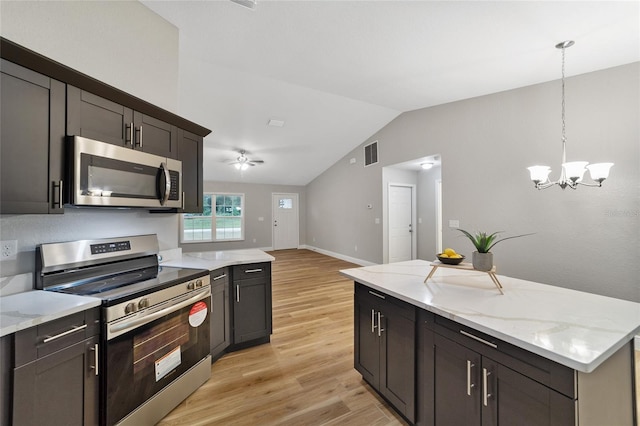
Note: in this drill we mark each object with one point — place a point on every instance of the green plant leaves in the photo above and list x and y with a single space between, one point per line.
483 242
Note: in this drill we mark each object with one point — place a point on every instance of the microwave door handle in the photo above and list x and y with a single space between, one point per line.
167 183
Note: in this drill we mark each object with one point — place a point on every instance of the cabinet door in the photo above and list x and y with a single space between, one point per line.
366 339
58 389
155 136
251 319
220 319
94 117
397 362
31 141
190 153
457 384
525 402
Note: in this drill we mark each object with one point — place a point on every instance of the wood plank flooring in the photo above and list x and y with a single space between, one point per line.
305 376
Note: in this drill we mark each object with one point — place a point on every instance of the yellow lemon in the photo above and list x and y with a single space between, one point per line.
443 255
449 252
456 256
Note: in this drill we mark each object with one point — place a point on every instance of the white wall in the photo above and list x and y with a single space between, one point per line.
123 44
587 239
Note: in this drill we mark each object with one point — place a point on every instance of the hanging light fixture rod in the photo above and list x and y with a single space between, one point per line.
572 172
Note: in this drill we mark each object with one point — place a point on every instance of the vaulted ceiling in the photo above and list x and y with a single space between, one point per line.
335 72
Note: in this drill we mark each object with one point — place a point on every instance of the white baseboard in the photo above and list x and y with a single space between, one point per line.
338 255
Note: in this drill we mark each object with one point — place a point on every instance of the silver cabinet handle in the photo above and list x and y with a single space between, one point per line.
373 293
140 141
485 394
96 357
380 329
373 320
129 128
493 345
65 333
53 202
470 365
252 271
219 277
238 293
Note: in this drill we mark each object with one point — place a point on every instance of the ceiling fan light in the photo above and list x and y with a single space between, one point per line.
539 174
243 166
599 171
237 166
574 170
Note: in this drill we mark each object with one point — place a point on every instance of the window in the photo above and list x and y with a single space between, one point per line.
222 219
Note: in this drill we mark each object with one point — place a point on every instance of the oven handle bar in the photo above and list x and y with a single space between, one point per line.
126 326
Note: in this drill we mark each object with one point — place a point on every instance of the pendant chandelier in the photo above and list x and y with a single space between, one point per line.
572 172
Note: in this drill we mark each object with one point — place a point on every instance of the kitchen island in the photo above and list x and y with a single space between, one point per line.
570 351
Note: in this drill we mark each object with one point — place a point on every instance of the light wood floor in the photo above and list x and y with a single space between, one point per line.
305 376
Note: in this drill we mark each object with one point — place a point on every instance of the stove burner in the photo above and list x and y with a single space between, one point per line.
106 284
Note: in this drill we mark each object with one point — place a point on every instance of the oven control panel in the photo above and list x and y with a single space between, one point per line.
110 247
150 300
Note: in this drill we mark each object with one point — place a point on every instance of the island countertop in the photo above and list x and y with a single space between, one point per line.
213 260
576 329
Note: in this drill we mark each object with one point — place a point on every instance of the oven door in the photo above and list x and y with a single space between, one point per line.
147 351
114 176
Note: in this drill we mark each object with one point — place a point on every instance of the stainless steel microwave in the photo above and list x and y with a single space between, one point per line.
102 174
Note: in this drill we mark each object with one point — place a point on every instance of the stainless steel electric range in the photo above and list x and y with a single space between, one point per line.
155 322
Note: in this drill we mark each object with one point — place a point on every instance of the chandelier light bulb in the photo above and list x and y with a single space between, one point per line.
539 174
599 171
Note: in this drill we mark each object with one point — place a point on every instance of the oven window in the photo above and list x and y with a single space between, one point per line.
151 346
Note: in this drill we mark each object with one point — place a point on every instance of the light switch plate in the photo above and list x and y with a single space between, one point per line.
454 223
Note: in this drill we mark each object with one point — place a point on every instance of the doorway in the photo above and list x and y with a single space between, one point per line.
401 213
285 221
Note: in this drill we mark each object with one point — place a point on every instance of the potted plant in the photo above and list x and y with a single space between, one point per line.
482 259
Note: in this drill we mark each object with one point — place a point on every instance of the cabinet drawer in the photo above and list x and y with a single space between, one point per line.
219 277
45 339
538 368
405 309
250 271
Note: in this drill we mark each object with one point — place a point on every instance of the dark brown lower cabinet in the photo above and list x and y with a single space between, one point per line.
220 317
56 373
472 389
251 304
384 347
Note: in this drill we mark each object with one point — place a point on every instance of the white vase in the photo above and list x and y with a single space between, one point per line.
482 261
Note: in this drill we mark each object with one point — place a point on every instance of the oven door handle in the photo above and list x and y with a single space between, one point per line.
126 326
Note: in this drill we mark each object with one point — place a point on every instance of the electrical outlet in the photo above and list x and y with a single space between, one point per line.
9 249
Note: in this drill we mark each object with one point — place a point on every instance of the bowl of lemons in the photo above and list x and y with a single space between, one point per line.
450 257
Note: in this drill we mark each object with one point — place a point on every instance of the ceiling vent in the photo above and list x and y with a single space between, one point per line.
371 153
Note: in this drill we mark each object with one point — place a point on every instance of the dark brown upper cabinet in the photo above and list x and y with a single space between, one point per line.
94 117
31 141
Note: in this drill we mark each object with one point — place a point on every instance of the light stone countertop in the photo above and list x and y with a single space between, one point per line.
24 310
576 329
213 260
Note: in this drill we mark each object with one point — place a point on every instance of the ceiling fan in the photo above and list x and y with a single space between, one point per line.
243 163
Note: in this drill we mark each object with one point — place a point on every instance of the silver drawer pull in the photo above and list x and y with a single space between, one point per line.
219 277
485 392
251 271
65 333
96 357
376 294
493 345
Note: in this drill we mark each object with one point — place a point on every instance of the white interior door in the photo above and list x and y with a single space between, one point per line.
285 221
400 223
